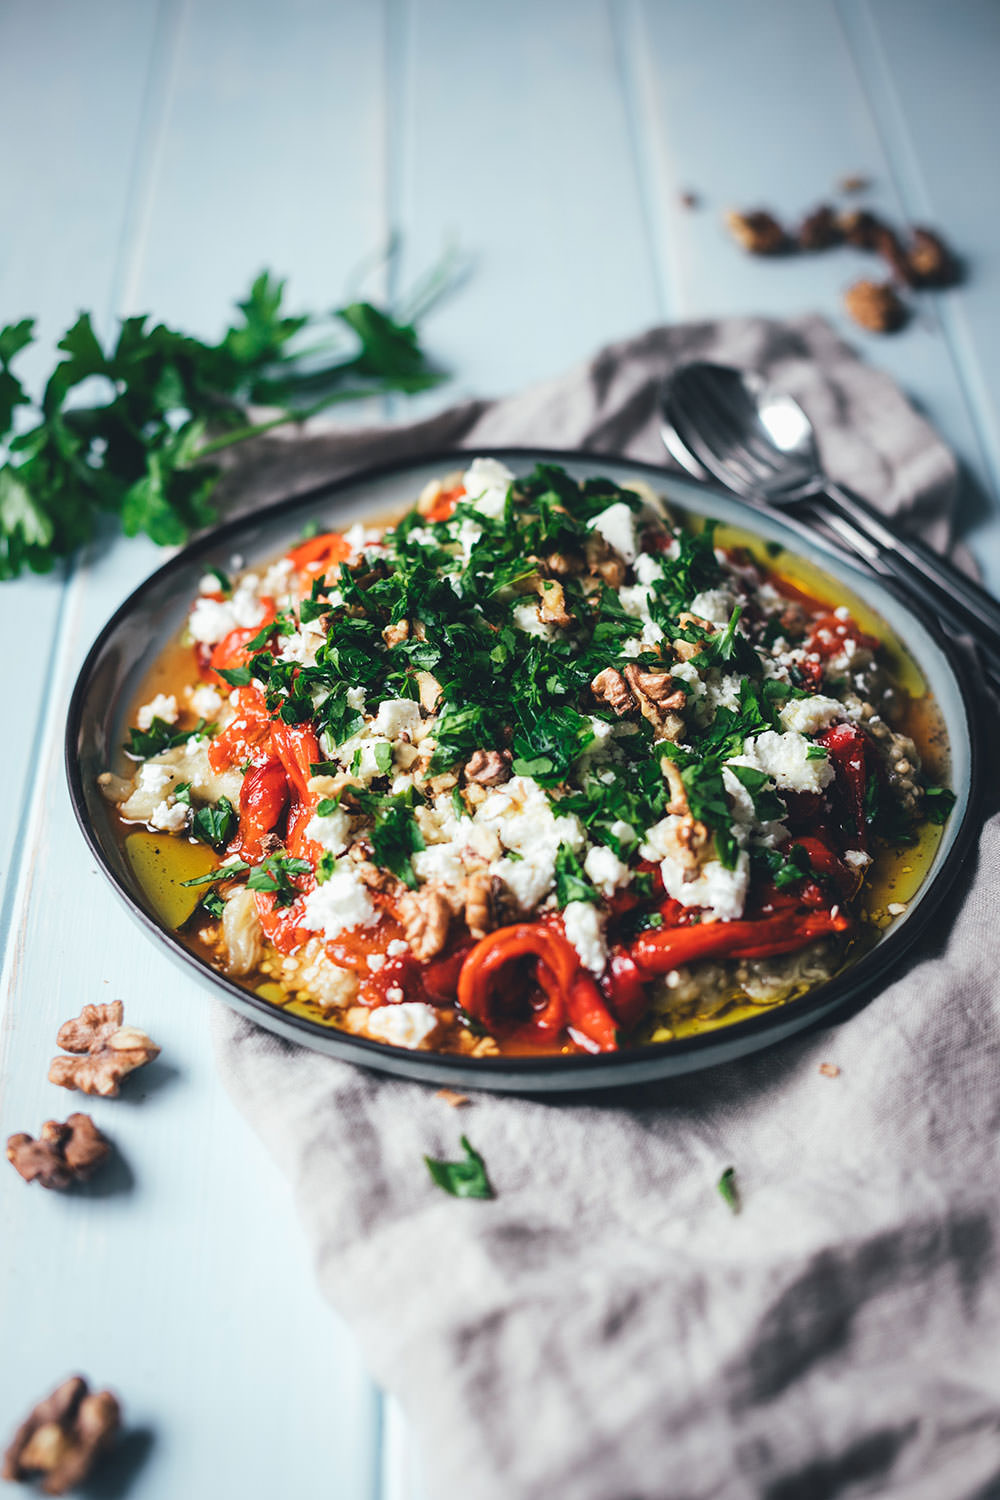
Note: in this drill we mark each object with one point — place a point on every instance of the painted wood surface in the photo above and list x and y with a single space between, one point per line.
155 156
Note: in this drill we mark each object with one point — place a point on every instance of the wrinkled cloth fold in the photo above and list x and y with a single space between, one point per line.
606 1328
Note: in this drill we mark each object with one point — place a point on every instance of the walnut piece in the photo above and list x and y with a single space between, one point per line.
63 1154
425 915
929 260
107 1051
63 1437
479 903
394 634
610 687
603 561
552 604
658 699
861 228
875 306
488 767
853 182
757 231
819 230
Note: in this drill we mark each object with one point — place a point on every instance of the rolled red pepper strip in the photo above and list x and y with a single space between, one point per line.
262 801
588 1015
328 547
244 734
626 989
230 653
659 952
297 747
477 981
848 751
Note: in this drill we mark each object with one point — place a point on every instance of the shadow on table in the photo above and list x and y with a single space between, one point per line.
117 1473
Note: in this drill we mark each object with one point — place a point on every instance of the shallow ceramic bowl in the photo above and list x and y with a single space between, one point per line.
127 646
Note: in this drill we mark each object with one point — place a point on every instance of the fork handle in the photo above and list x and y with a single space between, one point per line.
963 603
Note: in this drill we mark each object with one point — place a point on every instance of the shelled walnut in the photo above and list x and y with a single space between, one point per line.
105 1050
63 1437
757 231
875 306
819 230
63 1154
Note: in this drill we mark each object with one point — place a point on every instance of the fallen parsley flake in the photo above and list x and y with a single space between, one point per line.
462 1179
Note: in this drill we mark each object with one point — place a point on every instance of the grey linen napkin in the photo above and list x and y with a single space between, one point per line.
606 1329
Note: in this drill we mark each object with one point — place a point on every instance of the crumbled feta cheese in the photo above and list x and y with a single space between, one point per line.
648 568
486 484
301 646
395 947
408 1024
376 961
785 758
623 832
442 862
584 928
721 691
339 903
276 581
810 715
617 526
527 618
332 830
395 717
858 859
606 870
719 891
154 778
160 707
714 605
169 816
896 908
208 584
212 619
356 699
205 701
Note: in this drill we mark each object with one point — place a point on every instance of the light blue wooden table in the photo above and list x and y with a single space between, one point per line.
155 156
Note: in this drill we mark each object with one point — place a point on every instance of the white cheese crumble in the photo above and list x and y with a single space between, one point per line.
341 902
648 568
212 619
606 870
168 816
332 830
160 707
810 715
857 859
396 947
617 526
527 618
486 482
785 758
154 778
356 699
721 892
522 815
584 928
395 717
205 701
408 1024
714 605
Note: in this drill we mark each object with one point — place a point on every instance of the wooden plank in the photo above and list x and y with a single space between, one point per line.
515 143
931 74
227 1355
773 118
72 80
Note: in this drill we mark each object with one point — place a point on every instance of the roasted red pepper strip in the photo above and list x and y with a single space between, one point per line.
444 505
319 552
626 989
847 747
262 801
245 734
298 749
658 952
230 653
477 981
588 1015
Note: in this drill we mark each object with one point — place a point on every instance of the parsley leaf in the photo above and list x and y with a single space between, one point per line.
938 803
215 825
571 882
274 875
462 1179
728 1190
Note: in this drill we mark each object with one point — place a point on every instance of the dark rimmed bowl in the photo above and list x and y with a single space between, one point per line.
126 648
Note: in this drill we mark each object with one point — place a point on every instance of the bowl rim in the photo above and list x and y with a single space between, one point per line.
573 1070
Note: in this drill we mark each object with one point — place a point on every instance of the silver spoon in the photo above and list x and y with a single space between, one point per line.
759 443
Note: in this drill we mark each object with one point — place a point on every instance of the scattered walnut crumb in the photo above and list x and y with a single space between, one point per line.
861 228
63 1437
853 182
829 1070
450 1097
63 1154
107 1051
488 767
875 306
757 231
819 230
688 199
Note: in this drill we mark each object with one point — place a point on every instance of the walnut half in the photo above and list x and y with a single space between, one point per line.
63 1437
63 1154
106 1050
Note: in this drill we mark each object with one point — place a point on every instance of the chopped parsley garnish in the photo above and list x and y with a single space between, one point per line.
938 803
275 874
213 904
216 824
571 882
462 1179
160 736
728 1191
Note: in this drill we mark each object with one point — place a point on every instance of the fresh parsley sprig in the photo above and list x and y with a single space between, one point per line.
131 427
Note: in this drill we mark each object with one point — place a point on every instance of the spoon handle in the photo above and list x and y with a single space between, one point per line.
956 597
